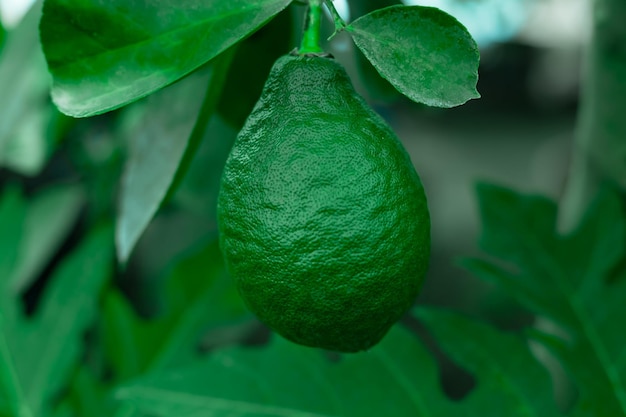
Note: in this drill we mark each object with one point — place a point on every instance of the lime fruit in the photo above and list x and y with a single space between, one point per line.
323 220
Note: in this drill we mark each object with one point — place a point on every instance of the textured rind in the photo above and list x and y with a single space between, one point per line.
323 220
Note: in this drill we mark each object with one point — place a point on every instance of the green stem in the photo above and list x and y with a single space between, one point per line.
311 38
340 24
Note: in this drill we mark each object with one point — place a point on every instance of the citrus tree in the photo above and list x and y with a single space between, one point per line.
221 147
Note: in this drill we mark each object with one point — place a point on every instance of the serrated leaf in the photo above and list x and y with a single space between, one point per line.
569 279
422 51
162 146
198 294
104 54
500 362
397 378
24 86
536 227
44 349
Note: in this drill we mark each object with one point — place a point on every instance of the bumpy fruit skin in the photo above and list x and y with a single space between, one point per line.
323 220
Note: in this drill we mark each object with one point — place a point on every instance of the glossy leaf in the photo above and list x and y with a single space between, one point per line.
104 54
577 281
25 112
172 124
422 51
500 362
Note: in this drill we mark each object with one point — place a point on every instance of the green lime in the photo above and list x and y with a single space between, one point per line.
323 220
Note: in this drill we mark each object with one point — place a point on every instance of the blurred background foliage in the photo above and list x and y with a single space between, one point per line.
63 174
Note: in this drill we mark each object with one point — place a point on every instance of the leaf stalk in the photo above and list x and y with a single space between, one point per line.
340 24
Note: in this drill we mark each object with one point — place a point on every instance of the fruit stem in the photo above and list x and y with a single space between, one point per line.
311 37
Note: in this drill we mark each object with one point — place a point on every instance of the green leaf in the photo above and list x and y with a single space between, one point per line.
577 281
24 145
423 52
44 349
198 294
87 396
50 215
12 217
105 54
10 385
66 310
162 146
397 378
12 207
500 362
30 234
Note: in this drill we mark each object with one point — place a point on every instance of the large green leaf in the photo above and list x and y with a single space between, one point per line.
398 377
24 110
39 353
171 126
500 362
423 52
577 281
104 54
198 294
